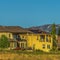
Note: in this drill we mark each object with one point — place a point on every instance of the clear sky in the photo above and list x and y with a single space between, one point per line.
27 13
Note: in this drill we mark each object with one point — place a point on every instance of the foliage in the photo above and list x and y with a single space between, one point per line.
59 31
4 43
53 33
53 29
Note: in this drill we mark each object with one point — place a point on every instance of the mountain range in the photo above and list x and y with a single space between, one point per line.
46 27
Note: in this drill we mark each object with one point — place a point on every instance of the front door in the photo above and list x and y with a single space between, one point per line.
18 44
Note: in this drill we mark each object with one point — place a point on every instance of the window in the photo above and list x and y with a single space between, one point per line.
49 35
15 37
43 46
22 45
9 35
47 40
23 37
42 38
48 46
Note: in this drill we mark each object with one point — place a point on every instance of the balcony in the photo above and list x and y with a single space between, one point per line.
18 44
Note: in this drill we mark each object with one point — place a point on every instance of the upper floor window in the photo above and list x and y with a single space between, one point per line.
9 35
42 38
48 46
23 36
47 40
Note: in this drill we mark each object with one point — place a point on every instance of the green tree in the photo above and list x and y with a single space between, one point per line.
53 33
59 31
4 43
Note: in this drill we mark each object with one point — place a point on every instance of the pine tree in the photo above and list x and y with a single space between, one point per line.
59 31
53 33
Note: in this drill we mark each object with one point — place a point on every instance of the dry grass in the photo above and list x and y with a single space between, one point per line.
12 56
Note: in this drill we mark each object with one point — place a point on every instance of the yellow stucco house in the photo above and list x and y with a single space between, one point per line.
27 39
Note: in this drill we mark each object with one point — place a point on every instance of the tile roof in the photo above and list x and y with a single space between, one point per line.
13 29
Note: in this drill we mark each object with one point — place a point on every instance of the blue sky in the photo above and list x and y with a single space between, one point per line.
27 13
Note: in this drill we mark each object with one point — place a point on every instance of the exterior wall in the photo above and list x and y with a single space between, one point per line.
33 41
